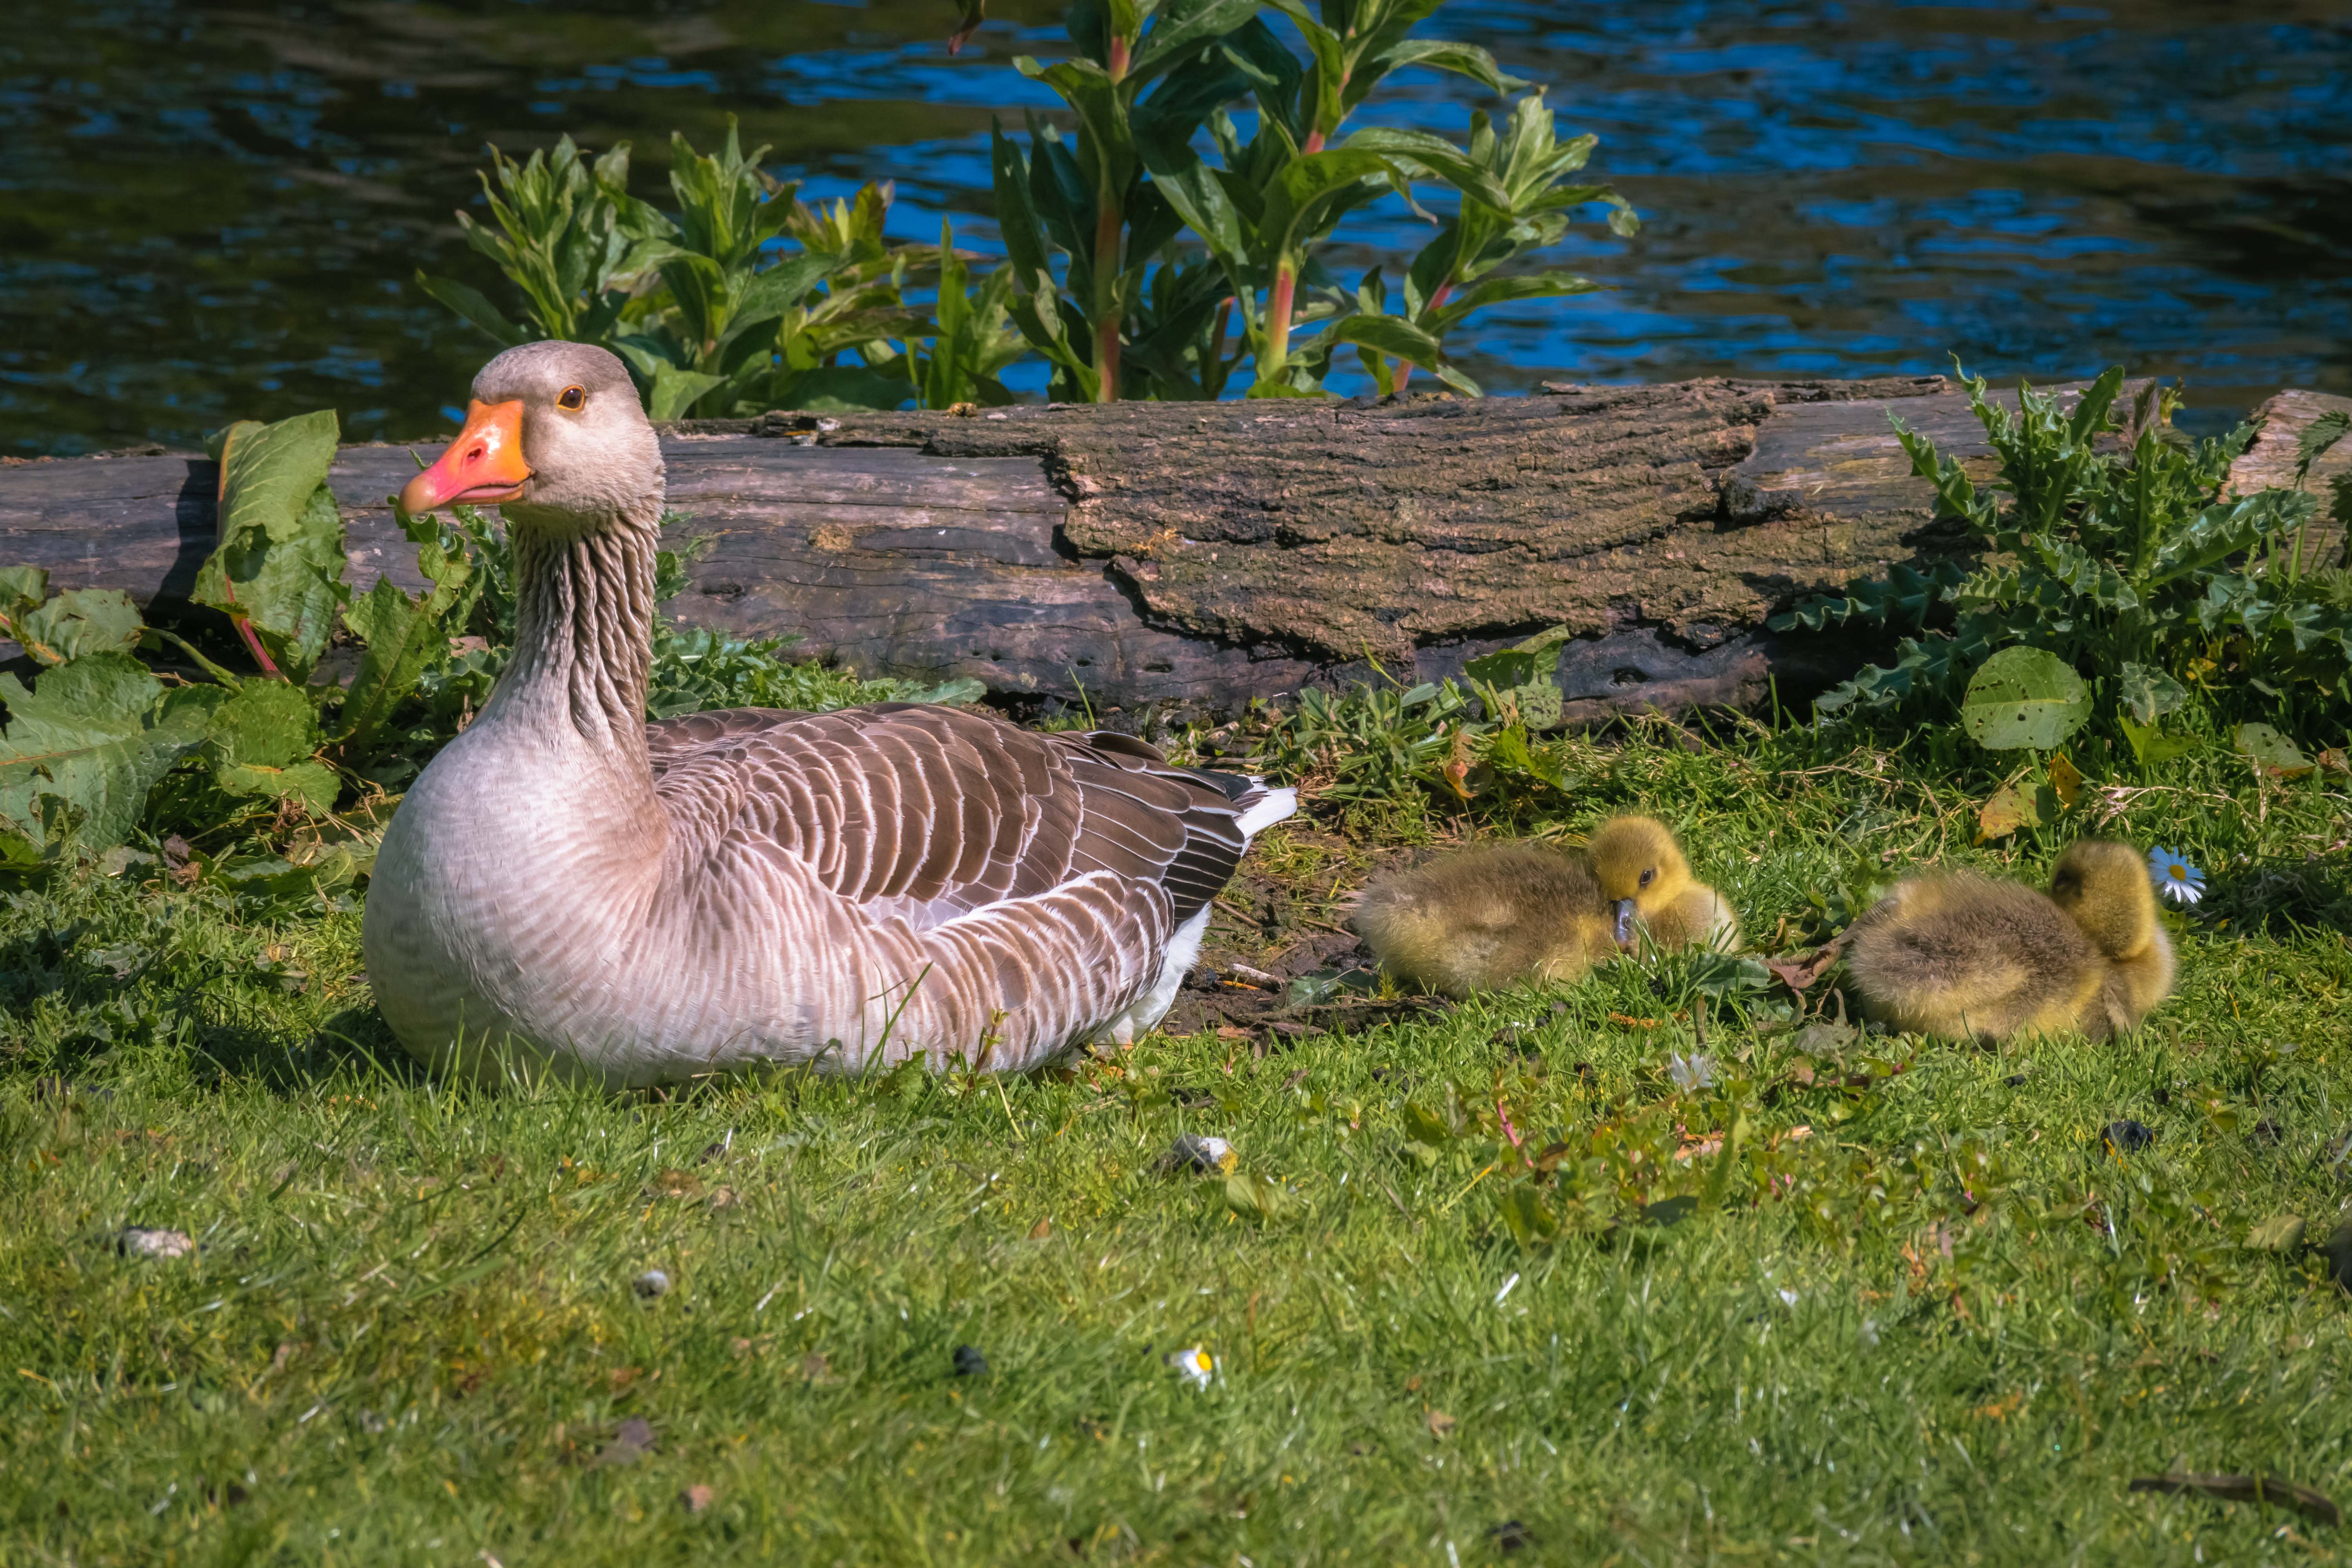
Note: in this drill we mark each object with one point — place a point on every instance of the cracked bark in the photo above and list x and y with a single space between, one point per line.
1153 557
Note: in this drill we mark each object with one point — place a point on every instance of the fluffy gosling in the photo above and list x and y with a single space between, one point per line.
1488 918
1962 956
1649 886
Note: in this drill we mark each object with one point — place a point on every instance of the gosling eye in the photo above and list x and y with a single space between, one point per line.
1647 875
573 398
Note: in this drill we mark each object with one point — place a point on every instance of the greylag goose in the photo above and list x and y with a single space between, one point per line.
1965 956
571 890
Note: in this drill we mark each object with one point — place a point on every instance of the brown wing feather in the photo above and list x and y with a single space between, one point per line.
934 813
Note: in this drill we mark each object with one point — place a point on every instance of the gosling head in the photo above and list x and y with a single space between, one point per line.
2104 887
1640 871
556 435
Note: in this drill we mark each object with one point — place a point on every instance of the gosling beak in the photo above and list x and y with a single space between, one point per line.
484 465
1624 908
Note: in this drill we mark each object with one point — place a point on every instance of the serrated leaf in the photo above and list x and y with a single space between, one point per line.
95 733
77 621
2148 692
2025 699
261 741
281 549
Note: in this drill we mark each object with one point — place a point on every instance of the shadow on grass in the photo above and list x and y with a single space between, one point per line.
2279 897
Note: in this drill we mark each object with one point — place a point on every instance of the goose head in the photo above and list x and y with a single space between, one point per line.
1640 871
556 435
2105 888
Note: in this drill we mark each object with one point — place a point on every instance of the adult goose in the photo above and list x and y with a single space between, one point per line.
569 889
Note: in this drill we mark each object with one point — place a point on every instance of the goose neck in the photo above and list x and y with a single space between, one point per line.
584 632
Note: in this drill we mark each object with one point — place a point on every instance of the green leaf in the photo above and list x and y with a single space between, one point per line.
1182 32
95 733
280 551
261 741
77 621
1527 1217
2024 698
1391 335
1315 190
1440 157
2270 752
1260 1198
675 391
2147 691
2151 746
469 302
844 388
2317 436
1463 59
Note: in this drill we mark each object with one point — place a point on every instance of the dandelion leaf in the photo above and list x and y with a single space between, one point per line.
280 554
261 741
94 733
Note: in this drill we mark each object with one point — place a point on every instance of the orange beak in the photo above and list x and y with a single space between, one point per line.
483 465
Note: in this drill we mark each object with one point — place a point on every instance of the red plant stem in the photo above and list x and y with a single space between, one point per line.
1278 318
1404 367
1314 142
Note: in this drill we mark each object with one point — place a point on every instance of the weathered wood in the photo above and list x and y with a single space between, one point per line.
1196 555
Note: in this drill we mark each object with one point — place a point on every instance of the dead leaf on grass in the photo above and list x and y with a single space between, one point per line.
2245 1488
1439 1424
632 1442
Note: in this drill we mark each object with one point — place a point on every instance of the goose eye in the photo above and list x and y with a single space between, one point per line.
572 397
1653 871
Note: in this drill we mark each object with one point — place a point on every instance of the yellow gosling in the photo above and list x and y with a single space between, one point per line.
1967 957
1643 877
1488 918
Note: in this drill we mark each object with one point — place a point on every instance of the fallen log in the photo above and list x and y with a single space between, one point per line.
1189 557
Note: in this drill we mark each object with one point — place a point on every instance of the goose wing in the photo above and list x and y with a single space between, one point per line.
931 813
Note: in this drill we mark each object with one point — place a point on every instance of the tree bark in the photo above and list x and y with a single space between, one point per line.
1141 557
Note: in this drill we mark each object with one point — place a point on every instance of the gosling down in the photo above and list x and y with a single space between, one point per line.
569 889
1489 918
1963 956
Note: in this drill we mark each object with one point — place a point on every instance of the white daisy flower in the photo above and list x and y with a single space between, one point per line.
1691 1073
1195 1366
2174 876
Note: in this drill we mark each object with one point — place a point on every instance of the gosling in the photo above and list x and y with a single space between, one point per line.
1649 888
1965 957
1488 918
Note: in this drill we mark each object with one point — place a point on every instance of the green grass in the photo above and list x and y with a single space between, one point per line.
1947 1326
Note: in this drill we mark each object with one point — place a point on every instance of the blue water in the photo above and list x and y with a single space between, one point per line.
207 215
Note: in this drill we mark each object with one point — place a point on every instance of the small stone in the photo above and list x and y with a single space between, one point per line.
137 1242
1200 1155
2015 1080
969 1363
2127 1136
650 1284
694 1500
